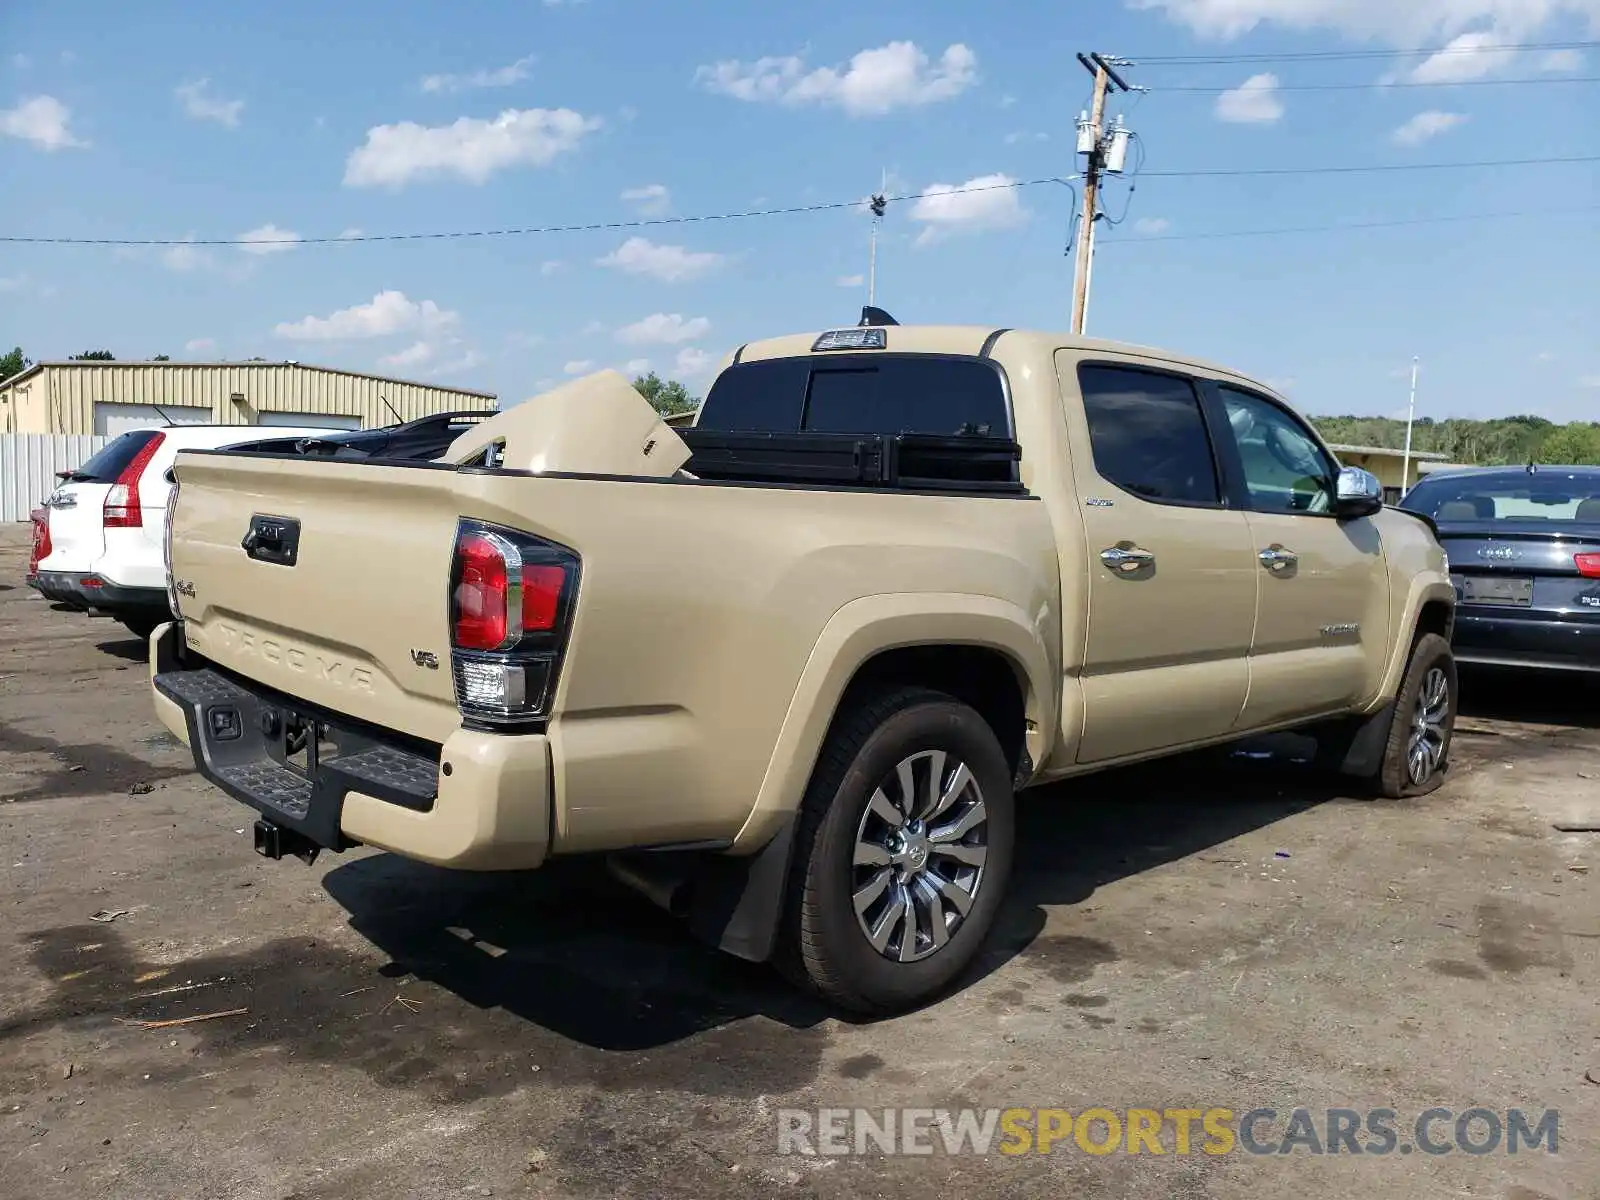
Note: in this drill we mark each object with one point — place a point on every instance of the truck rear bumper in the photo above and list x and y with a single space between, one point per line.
481 801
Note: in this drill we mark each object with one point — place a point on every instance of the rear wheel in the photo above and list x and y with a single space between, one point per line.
903 852
1417 751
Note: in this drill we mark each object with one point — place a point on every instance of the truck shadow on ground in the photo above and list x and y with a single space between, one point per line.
575 952
482 984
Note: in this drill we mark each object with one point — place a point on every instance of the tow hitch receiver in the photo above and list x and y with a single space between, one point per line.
274 841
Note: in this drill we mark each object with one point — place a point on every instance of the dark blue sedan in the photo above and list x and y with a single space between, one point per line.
1524 547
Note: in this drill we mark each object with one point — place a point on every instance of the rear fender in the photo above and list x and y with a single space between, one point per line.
873 624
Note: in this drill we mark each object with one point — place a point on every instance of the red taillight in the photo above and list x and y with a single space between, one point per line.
481 615
541 597
1588 565
122 509
41 539
511 599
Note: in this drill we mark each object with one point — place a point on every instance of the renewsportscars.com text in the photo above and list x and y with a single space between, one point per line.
1174 1131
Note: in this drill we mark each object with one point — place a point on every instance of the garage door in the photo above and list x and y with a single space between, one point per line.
112 420
310 420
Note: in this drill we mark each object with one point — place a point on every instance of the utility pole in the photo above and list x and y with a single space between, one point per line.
1103 155
1411 413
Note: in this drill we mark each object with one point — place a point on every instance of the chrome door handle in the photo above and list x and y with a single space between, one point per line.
1276 558
1127 560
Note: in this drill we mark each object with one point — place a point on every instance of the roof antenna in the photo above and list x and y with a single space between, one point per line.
876 316
170 422
398 420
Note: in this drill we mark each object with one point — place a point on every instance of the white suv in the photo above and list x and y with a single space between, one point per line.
106 523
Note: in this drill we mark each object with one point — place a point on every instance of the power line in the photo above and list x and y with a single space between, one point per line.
1368 168
1164 60
1379 86
790 210
1350 225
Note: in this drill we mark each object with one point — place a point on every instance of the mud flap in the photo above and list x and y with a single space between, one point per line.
731 902
1355 747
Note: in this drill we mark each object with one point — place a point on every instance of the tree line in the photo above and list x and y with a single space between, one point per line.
1499 442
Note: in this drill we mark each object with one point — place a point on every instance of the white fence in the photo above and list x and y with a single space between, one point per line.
28 466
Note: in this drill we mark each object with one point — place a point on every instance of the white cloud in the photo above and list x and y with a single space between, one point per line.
386 313
482 78
1024 136
13 283
1589 381
1426 125
985 202
186 257
350 233
1561 60
472 148
200 345
458 365
202 106
579 366
20 61
637 366
652 200
1544 356
851 281
592 328
692 362
413 355
1464 57
898 75
551 266
1008 101
666 329
1253 102
42 120
269 239
669 264
1149 226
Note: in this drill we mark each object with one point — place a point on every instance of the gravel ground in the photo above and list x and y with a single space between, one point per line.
1213 932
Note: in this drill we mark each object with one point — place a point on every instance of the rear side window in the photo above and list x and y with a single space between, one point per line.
757 397
860 394
113 458
1148 435
942 396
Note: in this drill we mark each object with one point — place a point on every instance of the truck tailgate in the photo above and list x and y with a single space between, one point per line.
350 611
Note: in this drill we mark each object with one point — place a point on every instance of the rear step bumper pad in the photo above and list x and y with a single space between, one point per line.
244 741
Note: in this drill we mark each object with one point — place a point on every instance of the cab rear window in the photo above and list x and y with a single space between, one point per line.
105 464
862 394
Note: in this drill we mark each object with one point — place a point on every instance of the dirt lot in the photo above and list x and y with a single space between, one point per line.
1218 932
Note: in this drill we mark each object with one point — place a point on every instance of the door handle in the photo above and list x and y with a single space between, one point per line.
1126 559
1276 558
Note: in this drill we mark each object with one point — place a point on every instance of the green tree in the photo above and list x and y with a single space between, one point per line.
1575 444
668 396
95 356
161 358
14 363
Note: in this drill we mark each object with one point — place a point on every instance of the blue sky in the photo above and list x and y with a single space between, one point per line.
175 120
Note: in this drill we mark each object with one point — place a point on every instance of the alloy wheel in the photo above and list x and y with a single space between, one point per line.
919 857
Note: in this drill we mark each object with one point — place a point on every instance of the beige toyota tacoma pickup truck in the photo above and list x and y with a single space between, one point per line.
788 667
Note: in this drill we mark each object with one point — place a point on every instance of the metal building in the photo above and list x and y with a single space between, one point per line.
108 398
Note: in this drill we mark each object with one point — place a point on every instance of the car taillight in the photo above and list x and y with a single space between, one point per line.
511 598
1588 565
41 540
122 509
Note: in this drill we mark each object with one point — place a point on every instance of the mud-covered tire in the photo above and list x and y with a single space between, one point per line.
824 945
1417 704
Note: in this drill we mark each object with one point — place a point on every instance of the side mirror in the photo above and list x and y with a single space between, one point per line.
1357 494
